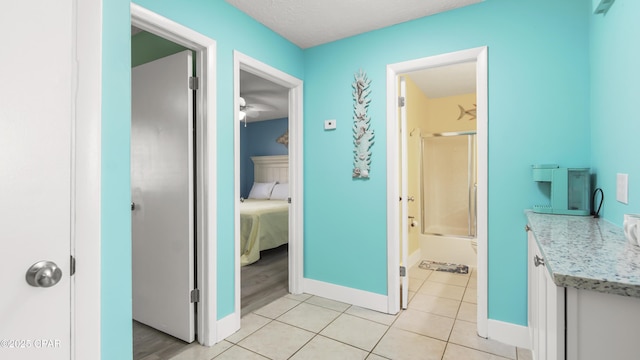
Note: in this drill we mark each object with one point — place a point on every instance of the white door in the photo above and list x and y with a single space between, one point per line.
36 111
404 194
163 196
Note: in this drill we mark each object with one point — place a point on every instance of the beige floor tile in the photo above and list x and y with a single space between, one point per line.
355 331
321 348
435 305
442 290
473 283
399 344
382 318
524 354
465 333
411 295
248 325
415 283
299 297
309 317
329 304
276 340
470 295
376 357
418 273
277 308
468 312
196 351
431 325
457 352
238 353
449 278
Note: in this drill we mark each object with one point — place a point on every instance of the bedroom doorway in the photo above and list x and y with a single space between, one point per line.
268 189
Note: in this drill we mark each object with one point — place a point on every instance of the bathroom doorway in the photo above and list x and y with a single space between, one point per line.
404 137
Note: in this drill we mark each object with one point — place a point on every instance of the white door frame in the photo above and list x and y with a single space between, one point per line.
296 226
206 170
86 185
479 55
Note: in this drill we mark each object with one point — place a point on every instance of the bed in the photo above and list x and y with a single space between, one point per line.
264 216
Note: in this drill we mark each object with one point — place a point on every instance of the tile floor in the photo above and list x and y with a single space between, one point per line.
439 324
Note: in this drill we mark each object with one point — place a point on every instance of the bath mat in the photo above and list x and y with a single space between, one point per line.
440 266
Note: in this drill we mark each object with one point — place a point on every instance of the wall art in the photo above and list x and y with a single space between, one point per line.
362 132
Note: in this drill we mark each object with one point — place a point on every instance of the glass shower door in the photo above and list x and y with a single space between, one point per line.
449 184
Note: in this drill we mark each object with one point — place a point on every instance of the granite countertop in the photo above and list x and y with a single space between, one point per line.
587 253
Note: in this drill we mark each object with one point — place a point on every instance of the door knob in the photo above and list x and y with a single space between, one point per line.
410 198
43 274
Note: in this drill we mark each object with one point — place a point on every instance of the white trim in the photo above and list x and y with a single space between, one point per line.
413 259
364 299
510 334
87 119
227 326
393 71
296 226
206 182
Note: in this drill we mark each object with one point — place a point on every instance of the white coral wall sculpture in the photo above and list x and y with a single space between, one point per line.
362 132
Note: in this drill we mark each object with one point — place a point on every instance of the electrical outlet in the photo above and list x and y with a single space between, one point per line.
329 124
622 188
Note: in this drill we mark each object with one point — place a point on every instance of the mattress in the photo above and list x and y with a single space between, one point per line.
264 224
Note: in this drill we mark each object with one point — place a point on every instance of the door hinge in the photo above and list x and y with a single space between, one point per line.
72 266
400 101
195 295
403 271
193 83
289 200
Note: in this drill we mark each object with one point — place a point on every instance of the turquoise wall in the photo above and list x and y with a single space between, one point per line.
614 104
116 342
538 113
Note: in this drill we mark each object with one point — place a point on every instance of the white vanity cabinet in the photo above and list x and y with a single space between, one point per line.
582 316
546 308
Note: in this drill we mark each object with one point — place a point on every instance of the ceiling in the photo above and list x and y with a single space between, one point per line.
308 23
263 94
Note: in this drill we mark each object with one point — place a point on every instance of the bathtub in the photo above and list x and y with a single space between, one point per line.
448 249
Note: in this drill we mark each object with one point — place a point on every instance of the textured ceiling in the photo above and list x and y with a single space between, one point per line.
308 23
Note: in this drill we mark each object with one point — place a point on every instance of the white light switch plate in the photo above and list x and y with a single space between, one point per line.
329 124
622 188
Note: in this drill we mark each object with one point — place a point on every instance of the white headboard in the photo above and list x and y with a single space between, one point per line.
271 168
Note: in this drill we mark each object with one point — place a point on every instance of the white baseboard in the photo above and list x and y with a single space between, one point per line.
507 333
347 295
227 326
414 258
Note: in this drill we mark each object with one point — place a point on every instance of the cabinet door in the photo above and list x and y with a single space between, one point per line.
534 300
546 308
554 319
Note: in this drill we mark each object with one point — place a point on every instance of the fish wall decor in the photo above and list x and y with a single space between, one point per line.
470 112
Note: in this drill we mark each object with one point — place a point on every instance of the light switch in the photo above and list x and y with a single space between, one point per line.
622 188
329 124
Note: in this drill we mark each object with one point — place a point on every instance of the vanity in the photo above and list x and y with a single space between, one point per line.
584 289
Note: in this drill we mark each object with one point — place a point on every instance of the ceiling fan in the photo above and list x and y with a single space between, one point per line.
252 110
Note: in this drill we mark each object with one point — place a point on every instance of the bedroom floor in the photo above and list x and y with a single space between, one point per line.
439 324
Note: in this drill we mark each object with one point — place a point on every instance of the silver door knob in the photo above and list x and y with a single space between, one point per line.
43 274
410 198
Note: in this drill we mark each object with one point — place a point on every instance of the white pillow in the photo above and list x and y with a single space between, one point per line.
261 190
280 192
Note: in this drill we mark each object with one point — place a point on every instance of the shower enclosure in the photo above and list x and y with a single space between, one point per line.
448 178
